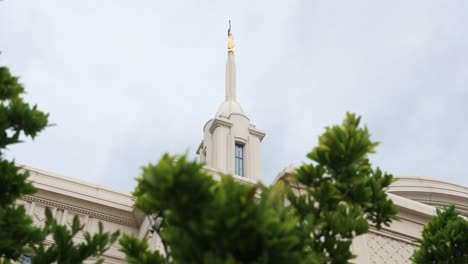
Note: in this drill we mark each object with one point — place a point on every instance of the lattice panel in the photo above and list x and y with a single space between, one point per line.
389 251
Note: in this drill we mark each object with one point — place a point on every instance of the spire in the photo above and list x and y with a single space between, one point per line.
231 144
230 69
230 104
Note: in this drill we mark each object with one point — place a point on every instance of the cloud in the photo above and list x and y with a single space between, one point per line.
126 82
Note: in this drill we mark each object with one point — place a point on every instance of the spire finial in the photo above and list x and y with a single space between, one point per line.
230 40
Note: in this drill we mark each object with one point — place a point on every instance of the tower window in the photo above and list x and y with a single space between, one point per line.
239 159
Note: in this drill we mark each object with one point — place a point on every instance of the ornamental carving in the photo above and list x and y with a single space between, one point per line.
39 215
90 213
386 250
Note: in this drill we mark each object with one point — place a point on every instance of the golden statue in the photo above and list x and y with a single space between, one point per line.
230 40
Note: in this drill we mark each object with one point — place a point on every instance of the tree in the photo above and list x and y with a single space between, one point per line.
65 250
16 118
17 233
342 191
444 239
200 220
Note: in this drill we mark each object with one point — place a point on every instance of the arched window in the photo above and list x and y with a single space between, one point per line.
239 159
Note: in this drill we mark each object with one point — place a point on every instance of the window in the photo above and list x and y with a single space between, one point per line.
239 159
25 259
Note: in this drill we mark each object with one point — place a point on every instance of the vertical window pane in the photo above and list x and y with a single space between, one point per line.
239 156
239 151
25 260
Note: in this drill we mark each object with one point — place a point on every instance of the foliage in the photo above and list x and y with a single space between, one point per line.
205 221
444 239
341 191
201 220
64 250
137 251
16 118
17 233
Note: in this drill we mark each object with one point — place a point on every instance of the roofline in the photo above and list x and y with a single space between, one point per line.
55 183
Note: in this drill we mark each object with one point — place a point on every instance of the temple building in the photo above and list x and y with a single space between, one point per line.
231 144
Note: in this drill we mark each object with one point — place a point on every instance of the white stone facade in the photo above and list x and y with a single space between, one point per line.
69 197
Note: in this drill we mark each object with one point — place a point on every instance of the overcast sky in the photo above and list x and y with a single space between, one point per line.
126 81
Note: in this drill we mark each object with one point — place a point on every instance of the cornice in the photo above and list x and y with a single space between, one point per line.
385 232
257 132
427 180
68 180
70 187
432 192
427 185
200 147
219 122
91 213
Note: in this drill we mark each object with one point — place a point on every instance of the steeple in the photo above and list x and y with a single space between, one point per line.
231 143
230 104
230 70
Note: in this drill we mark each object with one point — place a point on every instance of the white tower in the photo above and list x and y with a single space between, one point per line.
231 143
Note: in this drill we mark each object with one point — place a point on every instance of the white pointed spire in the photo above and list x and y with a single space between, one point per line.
230 69
230 104
230 78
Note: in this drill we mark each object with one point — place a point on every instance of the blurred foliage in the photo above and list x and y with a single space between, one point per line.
64 250
201 220
17 118
444 239
18 235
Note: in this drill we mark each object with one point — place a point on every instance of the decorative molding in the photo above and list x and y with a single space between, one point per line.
79 210
219 122
441 203
200 147
64 218
240 140
39 215
386 250
100 195
432 192
425 182
388 233
257 132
